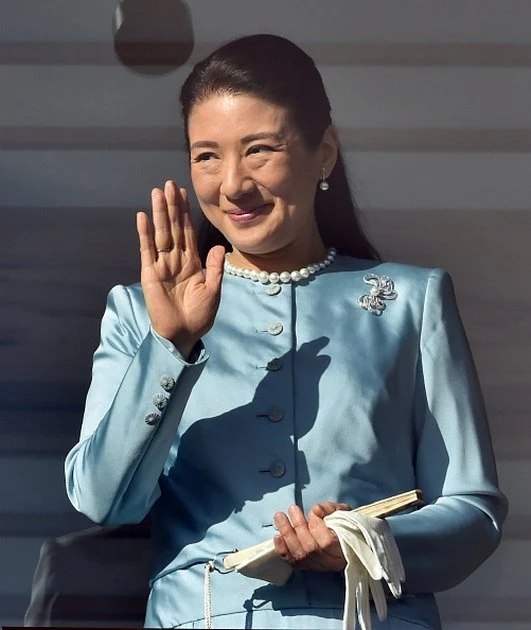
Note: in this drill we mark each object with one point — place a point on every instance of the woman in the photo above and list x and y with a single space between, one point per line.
241 400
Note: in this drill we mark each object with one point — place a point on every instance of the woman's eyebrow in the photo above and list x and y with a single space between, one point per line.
264 135
204 144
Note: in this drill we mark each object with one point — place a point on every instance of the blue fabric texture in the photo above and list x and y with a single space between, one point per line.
336 404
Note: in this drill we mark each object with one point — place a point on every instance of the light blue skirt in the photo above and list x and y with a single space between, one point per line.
320 619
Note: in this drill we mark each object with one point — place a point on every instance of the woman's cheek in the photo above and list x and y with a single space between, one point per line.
276 181
205 186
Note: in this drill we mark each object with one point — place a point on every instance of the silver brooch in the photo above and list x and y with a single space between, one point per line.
382 288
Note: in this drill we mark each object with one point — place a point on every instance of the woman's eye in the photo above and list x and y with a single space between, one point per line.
203 157
259 148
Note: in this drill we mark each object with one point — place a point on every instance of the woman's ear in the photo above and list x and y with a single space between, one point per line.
329 149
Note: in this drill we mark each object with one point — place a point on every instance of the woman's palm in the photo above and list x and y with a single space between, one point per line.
181 299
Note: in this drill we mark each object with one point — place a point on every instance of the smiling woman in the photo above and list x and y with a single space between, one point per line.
277 373
255 180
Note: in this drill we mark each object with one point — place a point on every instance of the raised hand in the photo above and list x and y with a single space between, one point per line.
181 299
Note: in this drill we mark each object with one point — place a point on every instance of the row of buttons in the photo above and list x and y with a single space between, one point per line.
275 414
160 401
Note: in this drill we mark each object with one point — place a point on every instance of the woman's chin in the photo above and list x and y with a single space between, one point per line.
255 242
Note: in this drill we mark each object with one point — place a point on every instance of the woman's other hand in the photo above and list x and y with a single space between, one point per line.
181 299
307 543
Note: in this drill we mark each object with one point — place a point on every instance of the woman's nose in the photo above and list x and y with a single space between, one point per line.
236 181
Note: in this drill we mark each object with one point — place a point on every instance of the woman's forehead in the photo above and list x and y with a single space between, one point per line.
239 115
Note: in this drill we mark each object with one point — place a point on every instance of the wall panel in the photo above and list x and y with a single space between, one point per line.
412 21
390 181
363 97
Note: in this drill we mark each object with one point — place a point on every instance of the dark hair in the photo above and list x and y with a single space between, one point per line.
276 70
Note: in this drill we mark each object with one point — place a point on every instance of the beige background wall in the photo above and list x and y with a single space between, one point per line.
433 102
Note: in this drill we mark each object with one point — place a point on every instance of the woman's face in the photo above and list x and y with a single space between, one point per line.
254 178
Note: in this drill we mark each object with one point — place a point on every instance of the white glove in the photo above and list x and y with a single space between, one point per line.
372 555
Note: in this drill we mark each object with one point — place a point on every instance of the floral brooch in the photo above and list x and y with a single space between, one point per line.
382 288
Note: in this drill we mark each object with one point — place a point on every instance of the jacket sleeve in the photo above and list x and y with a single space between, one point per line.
460 525
138 391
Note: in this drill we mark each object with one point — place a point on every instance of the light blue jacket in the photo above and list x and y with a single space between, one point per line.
296 397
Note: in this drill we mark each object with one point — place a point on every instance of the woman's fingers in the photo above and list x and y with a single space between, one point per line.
180 220
172 196
182 301
294 530
289 546
214 268
309 544
325 537
145 237
173 232
161 218
327 507
189 242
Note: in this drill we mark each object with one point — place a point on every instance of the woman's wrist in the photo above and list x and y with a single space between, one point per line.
185 345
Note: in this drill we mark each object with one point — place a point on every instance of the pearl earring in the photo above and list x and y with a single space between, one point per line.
323 184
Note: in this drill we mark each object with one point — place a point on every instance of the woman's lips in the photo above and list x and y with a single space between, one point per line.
244 216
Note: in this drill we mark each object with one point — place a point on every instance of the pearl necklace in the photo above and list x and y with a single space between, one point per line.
285 276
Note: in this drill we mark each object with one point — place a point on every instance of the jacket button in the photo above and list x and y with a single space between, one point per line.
273 289
152 418
160 401
275 328
274 365
277 469
167 383
275 414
